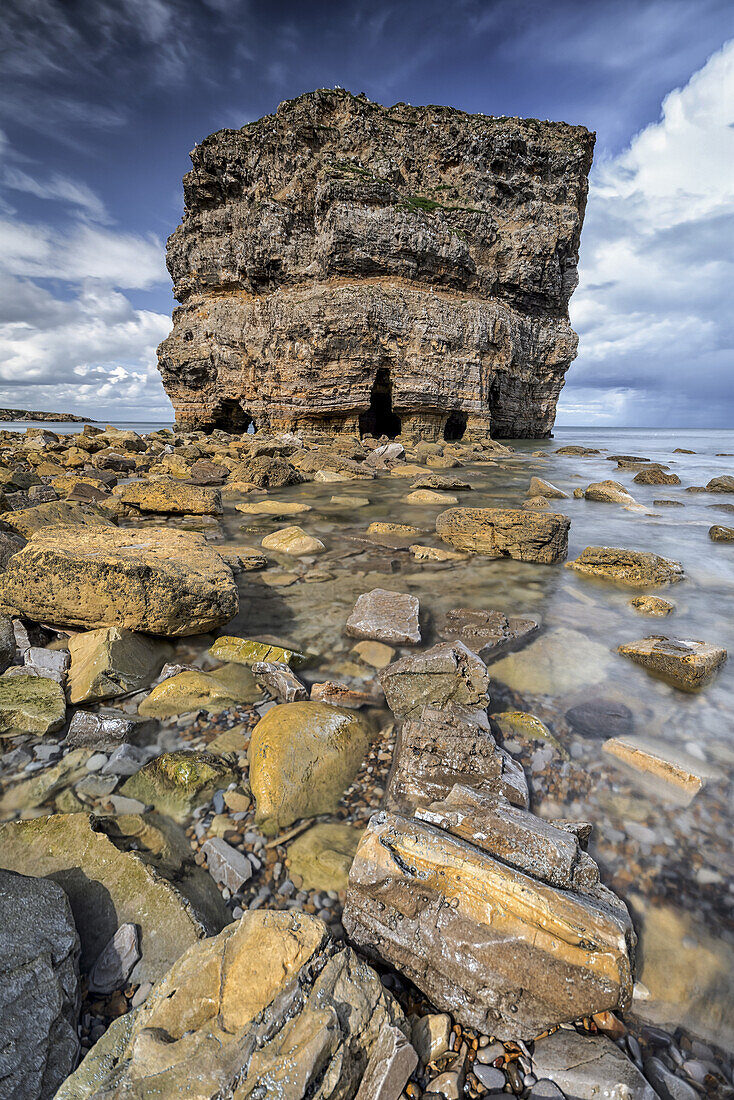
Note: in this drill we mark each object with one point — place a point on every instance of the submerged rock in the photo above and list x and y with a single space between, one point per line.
488 633
39 994
245 651
560 661
504 533
501 951
175 782
685 663
384 616
112 661
294 541
321 857
128 869
545 489
652 605
443 747
157 581
447 673
29 521
260 1006
601 718
659 761
636 568
303 756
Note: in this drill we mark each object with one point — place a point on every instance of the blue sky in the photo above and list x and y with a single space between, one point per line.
101 101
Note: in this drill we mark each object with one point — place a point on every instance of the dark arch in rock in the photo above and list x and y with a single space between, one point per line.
380 418
455 426
229 416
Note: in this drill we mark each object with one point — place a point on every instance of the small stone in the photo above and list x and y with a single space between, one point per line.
652 605
294 541
273 508
96 761
226 865
540 488
608 492
435 553
122 805
431 1036
490 1077
374 654
278 679
117 961
601 718
717 533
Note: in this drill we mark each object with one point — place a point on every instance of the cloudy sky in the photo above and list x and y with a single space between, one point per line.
101 101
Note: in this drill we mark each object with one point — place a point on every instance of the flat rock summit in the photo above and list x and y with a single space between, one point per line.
347 267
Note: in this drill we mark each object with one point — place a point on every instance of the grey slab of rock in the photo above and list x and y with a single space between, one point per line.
53 663
488 1076
97 786
117 960
441 747
668 1085
125 760
106 727
39 992
488 633
8 646
122 805
280 681
391 1063
448 673
385 616
584 1067
225 864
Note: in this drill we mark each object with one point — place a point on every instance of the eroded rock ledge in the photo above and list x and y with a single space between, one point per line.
342 266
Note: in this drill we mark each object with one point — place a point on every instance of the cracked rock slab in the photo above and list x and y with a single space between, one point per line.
384 616
506 533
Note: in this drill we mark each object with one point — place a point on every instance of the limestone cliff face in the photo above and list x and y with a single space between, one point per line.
343 266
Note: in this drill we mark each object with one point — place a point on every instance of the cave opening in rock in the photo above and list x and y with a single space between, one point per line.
229 416
380 418
455 426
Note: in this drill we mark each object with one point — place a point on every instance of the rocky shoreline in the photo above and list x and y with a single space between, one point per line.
354 856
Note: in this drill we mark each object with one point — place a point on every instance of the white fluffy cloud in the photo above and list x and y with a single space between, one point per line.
653 309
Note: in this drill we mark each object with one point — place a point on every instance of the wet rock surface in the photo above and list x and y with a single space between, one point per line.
39 995
631 567
499 533
686 663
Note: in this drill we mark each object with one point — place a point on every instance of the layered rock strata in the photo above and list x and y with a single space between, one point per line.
342 266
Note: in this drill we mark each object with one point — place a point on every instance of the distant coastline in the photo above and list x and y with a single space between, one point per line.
25 414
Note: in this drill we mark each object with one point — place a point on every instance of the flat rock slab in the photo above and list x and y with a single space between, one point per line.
586 1068
172 497
113 661
560 661
385 616
488 633
494 947
39 992
157 581
677 769
506 533
636 568
683 662
158 888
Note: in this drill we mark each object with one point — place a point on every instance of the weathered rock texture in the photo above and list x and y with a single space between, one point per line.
346 266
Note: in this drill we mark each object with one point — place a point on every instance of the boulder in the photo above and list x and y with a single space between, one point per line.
505 533
718 533
683 662
303 756
269 1004
321 857
28 521
488 633
113 661
157 581
229 686
385 616
540 488
171 497
635 568
119 870
501 951
447 673
655 475
652 605
294 541
175 782
587 1067
31 704
723 484
560 661
39 993
608 492
445 746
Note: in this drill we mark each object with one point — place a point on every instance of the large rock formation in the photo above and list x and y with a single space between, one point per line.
346 266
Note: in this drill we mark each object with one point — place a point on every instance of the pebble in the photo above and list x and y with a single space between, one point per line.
489 1076
490 1052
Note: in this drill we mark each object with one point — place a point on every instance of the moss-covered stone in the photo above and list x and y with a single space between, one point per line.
517 723
175 782
303 756
244 651
31 704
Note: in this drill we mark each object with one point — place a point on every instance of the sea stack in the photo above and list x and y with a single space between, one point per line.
344 267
